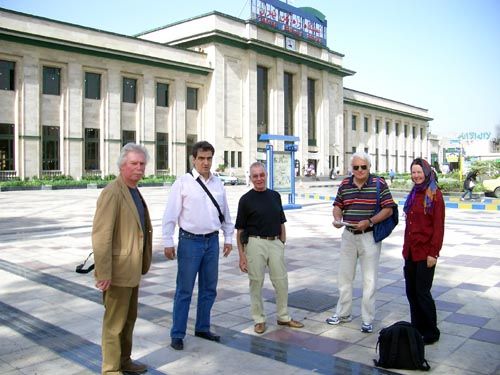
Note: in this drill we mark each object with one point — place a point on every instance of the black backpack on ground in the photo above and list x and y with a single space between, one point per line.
401 346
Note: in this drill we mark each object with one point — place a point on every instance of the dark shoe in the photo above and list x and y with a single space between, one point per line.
207 336
177 344
260 328
430 341
291 323
133 367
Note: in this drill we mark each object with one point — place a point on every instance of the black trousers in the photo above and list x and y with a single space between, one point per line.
419 279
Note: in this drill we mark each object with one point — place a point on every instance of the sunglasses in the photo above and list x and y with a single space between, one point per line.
363 167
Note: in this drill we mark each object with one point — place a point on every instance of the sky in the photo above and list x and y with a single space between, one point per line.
442 55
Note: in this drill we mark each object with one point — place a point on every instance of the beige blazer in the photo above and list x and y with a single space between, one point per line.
117 237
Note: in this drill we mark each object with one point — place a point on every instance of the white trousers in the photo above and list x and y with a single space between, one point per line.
354 247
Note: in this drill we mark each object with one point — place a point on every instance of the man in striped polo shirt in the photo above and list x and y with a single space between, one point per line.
354 208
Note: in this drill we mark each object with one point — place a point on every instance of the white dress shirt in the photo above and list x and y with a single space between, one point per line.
191 207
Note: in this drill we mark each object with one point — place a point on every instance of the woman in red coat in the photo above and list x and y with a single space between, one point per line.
424 209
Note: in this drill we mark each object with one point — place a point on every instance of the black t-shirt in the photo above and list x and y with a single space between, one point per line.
260 213
136 196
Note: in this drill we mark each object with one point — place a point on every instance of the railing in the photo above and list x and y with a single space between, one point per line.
51 174
93 173
162 172
7 175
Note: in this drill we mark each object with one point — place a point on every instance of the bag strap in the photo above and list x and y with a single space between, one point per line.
377 206
221 216
393 353
81 267
414 349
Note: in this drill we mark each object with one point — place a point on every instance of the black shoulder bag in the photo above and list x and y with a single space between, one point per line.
221 215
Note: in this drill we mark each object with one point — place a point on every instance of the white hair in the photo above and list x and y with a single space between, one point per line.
131 147
362 155
257 164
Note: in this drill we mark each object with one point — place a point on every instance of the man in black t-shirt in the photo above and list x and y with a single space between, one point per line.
261 242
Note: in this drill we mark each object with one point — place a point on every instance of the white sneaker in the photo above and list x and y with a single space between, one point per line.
334 320
366 328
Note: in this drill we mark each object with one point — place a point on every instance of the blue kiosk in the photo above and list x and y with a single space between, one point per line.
281 167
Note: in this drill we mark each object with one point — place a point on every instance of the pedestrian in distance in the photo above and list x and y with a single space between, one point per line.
392 174
354 208
424 232
469 183
261 237
122 243
198 204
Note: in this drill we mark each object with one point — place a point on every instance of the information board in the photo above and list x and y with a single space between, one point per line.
282 171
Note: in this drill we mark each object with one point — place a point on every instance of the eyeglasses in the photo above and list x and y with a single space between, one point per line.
363 167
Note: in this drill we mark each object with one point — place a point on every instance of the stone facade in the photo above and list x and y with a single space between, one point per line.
216 56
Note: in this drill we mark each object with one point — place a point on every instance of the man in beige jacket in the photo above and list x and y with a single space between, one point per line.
122 243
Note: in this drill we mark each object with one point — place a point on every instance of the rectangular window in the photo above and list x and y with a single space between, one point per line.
387 128
92 86
414 132
288 97
162 94
376 159
240 157
7 147
311 111
50 148
128 136
233 159
129 90
192 98
262 101
161 151
397 129
226 158
7 75
377 126
366 150
353 122
422 133
353 150
92 149
51 81
406 131
366 125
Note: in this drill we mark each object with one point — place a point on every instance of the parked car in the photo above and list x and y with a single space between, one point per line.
492 186
226 179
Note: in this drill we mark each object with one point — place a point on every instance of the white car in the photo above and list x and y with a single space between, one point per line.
226 179
492 186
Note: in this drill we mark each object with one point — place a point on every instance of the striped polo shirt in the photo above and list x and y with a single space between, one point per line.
359 204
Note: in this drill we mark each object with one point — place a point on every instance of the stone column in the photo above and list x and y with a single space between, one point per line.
72 150
29 116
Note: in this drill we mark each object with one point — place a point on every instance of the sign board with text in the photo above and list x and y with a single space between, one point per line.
282 175
290 20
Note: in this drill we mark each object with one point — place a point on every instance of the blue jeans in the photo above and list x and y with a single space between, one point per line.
195 256
467 191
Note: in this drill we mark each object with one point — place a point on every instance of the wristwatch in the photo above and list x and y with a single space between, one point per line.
371 222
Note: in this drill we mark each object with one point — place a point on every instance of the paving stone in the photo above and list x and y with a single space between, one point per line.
40 245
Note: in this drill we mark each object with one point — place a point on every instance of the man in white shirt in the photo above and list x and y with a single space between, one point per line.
198 249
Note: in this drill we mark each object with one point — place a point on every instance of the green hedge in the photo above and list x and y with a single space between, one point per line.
62 181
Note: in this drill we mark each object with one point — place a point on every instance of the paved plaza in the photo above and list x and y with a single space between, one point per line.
50 316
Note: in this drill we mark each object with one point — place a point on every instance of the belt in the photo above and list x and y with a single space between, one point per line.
200 235
270 238
354 231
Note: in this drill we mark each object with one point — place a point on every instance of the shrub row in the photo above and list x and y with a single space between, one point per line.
68 181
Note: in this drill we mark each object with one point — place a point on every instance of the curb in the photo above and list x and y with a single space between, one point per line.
488 205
